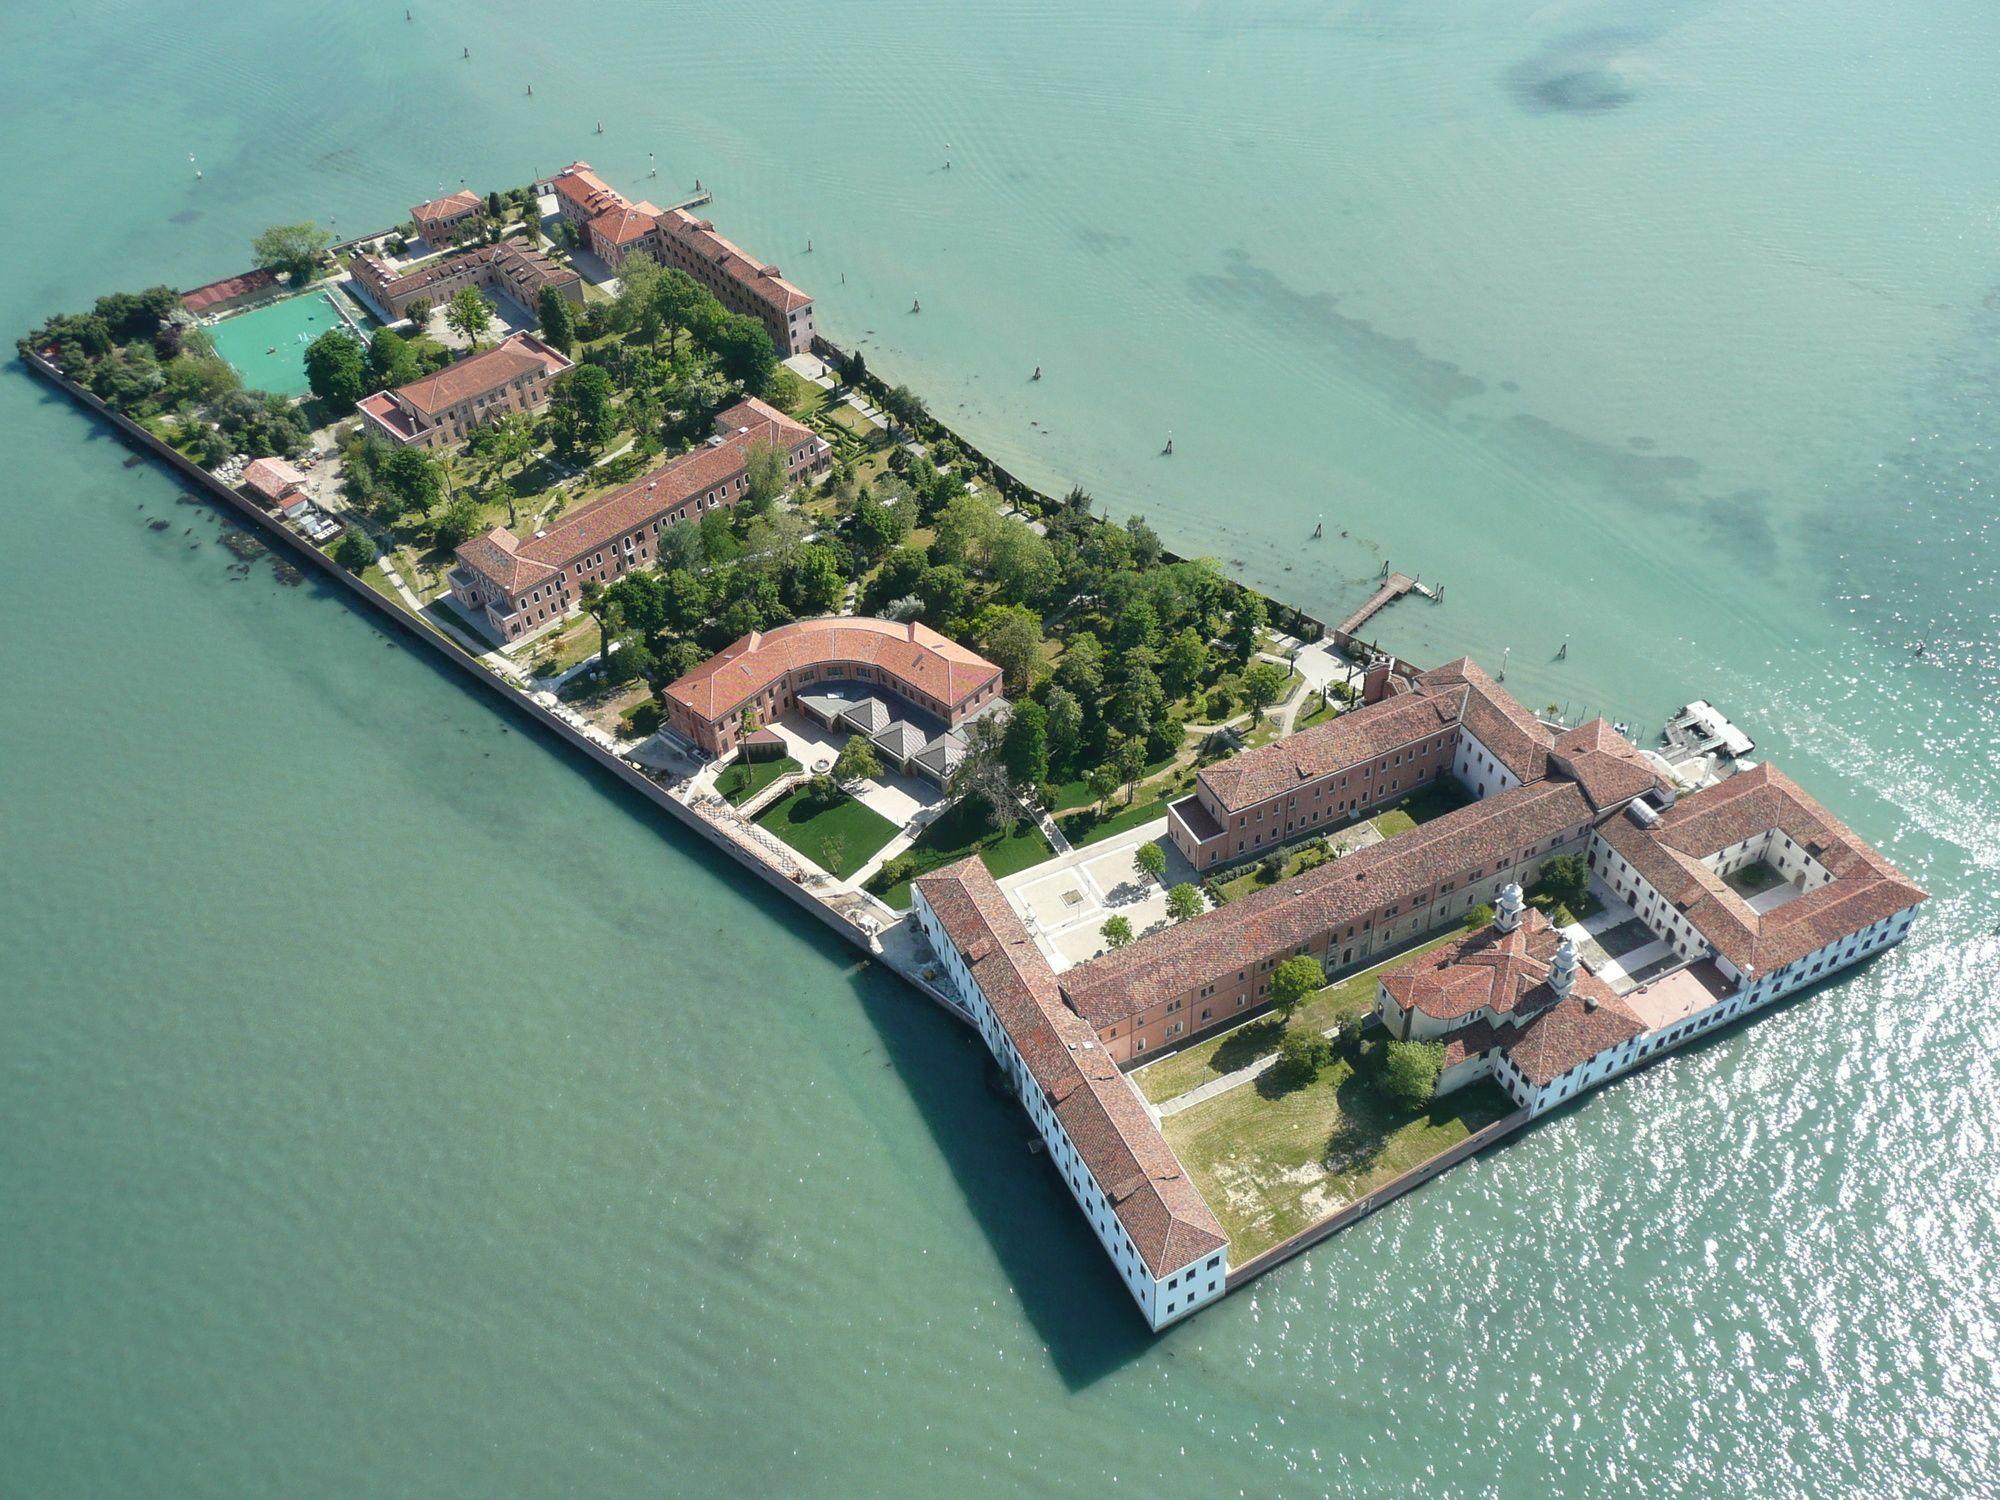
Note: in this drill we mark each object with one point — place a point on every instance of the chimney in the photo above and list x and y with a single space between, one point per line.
1375 682
1507 911
756 637
1562 974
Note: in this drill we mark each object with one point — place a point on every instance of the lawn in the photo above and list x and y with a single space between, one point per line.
1087 828
962 831
744 780
807 828
1425 803
1208 1060
1273 1157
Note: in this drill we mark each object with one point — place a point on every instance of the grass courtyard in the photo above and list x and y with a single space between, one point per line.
961 831
838 838
744 780
1208 1060
1274 1157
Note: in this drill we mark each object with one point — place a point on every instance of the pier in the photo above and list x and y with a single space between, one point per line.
1393 588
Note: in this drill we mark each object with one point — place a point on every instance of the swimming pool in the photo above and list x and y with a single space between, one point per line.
267 344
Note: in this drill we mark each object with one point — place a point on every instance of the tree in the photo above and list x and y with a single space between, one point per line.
1184 662
1566 877
410 481
1131 766
1476 917
602 606
1138 625
1103 781
354 551
1082 667
1183 902
1065 723
903 406
581 419
1301 1054
1152 861
879 527
1011 638
1025 747
853 368
391 361
857 760
291 249
468 313
982 775
1293 980
458 523
1410 1072
508 440
336 369
558 322
944 592
764 474
418 311
1116 931
1263 684
678 295
1248 618
744 350
1024 565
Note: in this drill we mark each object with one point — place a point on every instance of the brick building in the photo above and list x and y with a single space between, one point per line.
519 587
509 267
439 410
442 221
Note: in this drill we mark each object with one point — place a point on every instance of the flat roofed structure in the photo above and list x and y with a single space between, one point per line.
766 670
1161 1235
439 410
520 586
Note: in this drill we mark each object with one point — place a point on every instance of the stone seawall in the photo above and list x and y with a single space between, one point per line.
325 568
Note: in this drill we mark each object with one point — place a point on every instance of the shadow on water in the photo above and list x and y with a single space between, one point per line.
1573 74
1054 1265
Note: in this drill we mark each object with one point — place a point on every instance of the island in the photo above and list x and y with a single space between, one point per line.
1262 925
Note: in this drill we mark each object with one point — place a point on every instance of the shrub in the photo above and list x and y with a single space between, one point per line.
1478 916
1410 1072
1301 1054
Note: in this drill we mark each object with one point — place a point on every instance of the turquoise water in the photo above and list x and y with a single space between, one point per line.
268 344
392 1107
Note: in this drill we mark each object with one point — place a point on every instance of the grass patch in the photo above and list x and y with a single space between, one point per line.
1087 827
962 831
1208 1060
744 780
1432 800
1274 1157
807 827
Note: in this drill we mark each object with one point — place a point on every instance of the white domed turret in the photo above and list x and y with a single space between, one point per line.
1507 911
1562 972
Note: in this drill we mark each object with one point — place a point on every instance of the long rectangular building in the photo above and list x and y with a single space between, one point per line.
510 267
1163 1239
519 587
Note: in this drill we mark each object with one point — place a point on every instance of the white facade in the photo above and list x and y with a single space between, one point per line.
1162 1299
1478 769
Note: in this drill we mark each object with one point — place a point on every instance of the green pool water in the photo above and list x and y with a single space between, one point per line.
267 344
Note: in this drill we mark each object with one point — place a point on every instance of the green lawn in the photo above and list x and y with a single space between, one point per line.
960 832
1087 828
1238 886
1207 1060
744 780
1425 803
1273 1158
807 828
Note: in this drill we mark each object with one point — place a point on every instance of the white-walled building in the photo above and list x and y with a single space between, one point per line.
1168 1248
1511 1001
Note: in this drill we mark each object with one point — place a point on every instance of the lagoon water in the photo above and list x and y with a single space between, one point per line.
391 1107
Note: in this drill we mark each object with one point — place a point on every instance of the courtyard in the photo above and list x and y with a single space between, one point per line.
1065 901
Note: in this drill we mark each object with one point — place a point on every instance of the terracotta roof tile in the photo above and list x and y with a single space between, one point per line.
699 239
1359 735
516 355
1121 1147
911 653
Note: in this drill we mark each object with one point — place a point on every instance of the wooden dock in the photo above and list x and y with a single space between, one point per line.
1393 588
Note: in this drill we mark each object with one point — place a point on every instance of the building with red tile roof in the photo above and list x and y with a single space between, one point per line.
229 293
581 195
511 267
273 480
768 670
519 587
619 230
738 280
439 410
1160 1233
443 220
